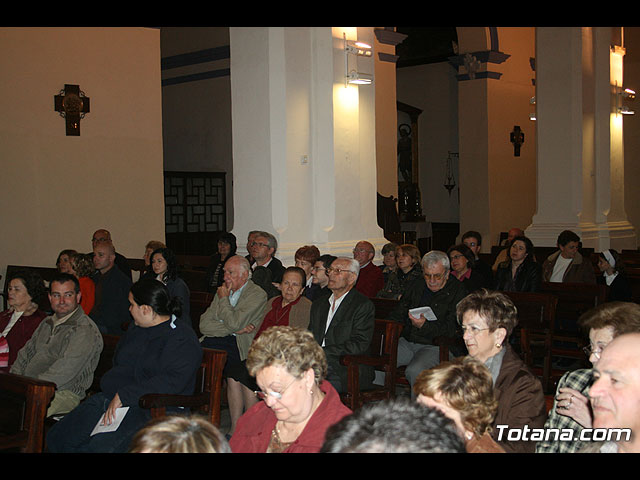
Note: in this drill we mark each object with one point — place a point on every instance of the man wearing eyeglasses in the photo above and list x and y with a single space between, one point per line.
370 280
343 323
262 249
441 292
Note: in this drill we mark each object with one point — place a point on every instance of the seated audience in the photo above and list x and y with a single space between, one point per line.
567 264
487 320
214 277
343 323
104 236
612 268
82 268
156 354
64 258
320 280
305 258
439 291
165 268
111 308
148 250
520 273
473 240
179 434
463 267
290 308
407 272
394 426
237 303
19 321
388 260
64 349
463 390
571 408
370 279
503 255
298 404
615 395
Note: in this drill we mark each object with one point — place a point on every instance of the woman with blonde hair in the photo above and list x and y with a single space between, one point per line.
298 405
408 271
179 434
463 390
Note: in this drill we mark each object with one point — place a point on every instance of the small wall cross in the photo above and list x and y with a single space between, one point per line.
517 138
72 105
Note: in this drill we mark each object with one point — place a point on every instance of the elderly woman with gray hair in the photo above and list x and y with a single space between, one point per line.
428 311
298 405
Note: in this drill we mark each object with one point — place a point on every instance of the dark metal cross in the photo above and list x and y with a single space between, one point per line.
72 105
517 138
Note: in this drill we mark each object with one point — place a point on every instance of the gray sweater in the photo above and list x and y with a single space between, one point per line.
66 354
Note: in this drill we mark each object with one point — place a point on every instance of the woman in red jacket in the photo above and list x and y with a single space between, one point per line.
298 404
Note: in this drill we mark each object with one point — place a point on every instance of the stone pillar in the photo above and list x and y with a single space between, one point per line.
579 142
304 148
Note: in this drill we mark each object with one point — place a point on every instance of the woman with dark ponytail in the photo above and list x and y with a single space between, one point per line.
156 354
164 267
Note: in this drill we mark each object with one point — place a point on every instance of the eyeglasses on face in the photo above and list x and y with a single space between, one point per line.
260 244
435 276
473 329
275 395
595 350
337 271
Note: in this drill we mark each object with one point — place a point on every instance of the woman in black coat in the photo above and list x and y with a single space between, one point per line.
520 273
610 264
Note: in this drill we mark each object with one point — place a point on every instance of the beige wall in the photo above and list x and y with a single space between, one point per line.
58 189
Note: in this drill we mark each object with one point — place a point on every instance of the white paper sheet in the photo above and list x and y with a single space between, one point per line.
99 428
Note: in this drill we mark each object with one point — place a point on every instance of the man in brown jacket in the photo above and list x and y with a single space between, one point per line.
567 265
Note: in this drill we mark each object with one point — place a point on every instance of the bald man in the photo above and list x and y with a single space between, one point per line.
615 395
111 309
104 236
370 280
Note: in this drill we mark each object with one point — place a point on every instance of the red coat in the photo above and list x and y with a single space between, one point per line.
370 280
253 432
21 332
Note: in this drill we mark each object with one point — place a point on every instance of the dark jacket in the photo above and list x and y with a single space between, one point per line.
350 332
520 402
475 281
399 282
443 303
528 277
111 308
580 270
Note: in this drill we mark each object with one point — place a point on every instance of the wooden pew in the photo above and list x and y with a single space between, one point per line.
207 397
536 317
383 356
23 409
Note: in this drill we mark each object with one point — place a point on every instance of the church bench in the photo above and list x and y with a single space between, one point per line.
23 409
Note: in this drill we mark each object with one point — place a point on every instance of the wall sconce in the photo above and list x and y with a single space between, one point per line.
359 49
622 94
532 115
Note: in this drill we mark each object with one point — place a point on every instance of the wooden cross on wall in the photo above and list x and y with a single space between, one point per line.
72 105
517 138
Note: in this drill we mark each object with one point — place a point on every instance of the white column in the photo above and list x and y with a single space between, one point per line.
579 148
303 143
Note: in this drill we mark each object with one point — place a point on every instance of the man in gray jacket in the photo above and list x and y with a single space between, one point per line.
64 349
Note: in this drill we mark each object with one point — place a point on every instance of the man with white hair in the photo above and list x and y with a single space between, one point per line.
343 323
615 395
440 292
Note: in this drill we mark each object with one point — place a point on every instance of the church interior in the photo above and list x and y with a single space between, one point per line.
178 134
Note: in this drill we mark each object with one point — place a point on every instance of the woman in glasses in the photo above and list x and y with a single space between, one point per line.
571 409
487 319
298 404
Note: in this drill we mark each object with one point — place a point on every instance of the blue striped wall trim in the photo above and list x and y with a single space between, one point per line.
193 58
225 72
